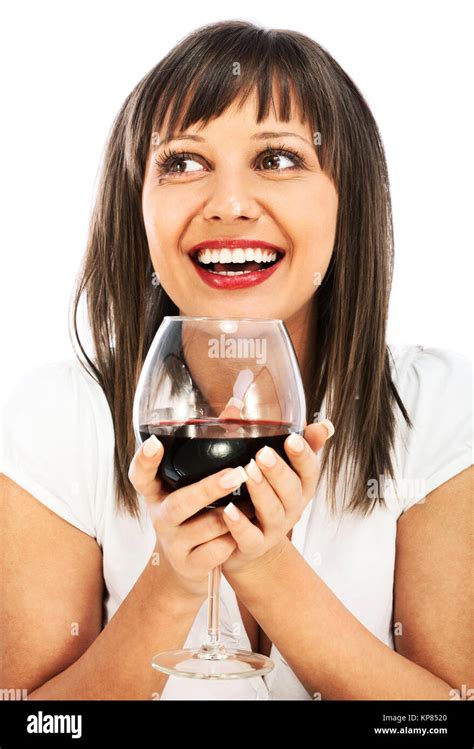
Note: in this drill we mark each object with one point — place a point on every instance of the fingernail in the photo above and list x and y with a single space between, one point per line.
329 426
151 446
295 442
235 402
254 471
232 511
267 457
233 478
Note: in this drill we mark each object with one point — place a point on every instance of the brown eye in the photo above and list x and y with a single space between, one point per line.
275 156
174 163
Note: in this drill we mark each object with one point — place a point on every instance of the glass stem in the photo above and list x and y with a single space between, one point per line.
213 605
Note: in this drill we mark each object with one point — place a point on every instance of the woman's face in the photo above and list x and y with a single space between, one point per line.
228 186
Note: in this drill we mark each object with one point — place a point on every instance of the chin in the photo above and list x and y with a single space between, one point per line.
242 313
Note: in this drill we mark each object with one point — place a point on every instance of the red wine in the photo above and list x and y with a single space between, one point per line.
198 448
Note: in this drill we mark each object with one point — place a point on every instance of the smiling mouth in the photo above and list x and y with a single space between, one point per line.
236 262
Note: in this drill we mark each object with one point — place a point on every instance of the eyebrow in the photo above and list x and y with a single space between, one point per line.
257 136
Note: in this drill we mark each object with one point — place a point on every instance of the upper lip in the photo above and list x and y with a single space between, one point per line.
232 244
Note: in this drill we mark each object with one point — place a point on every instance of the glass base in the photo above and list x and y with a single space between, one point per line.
212 662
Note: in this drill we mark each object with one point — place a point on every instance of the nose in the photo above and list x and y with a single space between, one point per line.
231 200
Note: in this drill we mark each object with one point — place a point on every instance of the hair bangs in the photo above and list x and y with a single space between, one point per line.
207 83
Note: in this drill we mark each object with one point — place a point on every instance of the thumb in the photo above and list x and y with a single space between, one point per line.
144 468
317 434
232 410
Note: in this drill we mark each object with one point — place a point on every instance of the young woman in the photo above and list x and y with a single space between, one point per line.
353 572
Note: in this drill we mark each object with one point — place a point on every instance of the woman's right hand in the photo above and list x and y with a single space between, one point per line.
189 546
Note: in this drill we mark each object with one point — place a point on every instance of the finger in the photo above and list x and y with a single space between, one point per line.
284 481
303 461
185 502
211 554
317 434
202 528
245 505
249 538
268 507
232 411
143 468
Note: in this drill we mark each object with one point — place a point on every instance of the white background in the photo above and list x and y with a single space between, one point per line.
67 67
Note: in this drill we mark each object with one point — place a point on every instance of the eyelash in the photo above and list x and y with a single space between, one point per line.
164 162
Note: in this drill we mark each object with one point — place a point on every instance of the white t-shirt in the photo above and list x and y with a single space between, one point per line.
58 444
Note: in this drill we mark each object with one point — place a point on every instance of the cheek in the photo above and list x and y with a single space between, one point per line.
316 212
311 225
163 226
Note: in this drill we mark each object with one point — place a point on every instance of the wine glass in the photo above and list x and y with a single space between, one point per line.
214 391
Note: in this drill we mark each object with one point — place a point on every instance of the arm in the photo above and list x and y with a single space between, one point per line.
51 581
333 654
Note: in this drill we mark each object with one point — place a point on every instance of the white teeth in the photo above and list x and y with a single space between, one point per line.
225 256
239 255
230 272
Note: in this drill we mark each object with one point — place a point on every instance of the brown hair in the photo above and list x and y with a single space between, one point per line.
351 366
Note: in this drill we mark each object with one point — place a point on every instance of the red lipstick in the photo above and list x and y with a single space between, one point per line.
243 280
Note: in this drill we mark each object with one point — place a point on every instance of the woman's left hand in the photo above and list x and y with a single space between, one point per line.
279 494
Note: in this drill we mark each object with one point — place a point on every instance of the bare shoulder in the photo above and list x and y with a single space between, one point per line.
434 587
52 590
